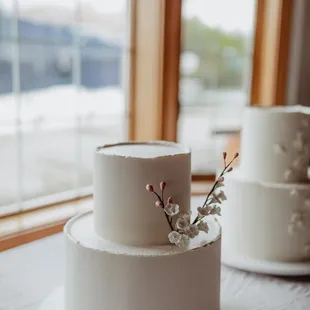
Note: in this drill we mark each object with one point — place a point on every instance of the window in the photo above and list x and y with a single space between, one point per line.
63 69
80 73
215 75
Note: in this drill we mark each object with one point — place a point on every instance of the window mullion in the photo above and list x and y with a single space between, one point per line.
76 81
154 69
17 92
271 52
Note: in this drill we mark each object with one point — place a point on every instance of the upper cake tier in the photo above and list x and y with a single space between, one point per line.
275 144
123 209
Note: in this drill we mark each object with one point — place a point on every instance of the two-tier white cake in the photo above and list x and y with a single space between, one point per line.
267 215
119 257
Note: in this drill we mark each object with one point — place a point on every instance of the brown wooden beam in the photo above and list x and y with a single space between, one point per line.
271 52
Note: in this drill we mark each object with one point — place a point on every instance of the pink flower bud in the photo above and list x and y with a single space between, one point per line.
221 179
149 188
169 200
236 155
230 169
224 155
158 204
162 186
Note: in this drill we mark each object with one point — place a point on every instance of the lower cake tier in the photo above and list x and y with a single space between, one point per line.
102 275
268 221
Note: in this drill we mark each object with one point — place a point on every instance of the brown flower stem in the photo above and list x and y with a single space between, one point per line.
170 224
162 199
162 195
159 198
212 190
199 218
167 216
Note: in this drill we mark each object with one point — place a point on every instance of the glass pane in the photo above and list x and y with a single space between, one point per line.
104 19
215 75
46 21
102 96
6 19
61 95
47 121
8 138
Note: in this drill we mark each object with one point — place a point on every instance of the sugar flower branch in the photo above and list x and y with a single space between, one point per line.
184 229
169 208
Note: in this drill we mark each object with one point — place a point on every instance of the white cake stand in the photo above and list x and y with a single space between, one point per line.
55 301
231 259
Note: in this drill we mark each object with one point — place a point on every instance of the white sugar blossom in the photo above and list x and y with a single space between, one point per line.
220 197
180 240
204 211
216 210
158 204
187 214
192 231
220 184
183 242
212 200
174 237
183 222
172 209
203 226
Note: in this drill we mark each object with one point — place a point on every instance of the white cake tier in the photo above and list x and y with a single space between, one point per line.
124 211
101 274
275 144
266 220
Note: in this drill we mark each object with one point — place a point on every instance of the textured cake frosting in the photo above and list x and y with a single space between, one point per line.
266 220
119 257
124 210
101 274
275 144
267 215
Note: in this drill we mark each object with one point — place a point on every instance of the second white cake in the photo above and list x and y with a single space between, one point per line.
266 220
267 216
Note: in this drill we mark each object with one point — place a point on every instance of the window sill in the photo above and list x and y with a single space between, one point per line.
22 228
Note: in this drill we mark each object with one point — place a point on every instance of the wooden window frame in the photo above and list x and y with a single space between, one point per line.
155 46
271 52
155 106
271 57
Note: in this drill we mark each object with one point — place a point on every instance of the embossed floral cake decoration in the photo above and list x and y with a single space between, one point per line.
182 228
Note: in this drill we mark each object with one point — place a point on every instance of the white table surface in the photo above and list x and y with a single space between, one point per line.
30 272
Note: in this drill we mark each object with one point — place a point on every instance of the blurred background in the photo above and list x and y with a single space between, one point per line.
75 74
63 88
